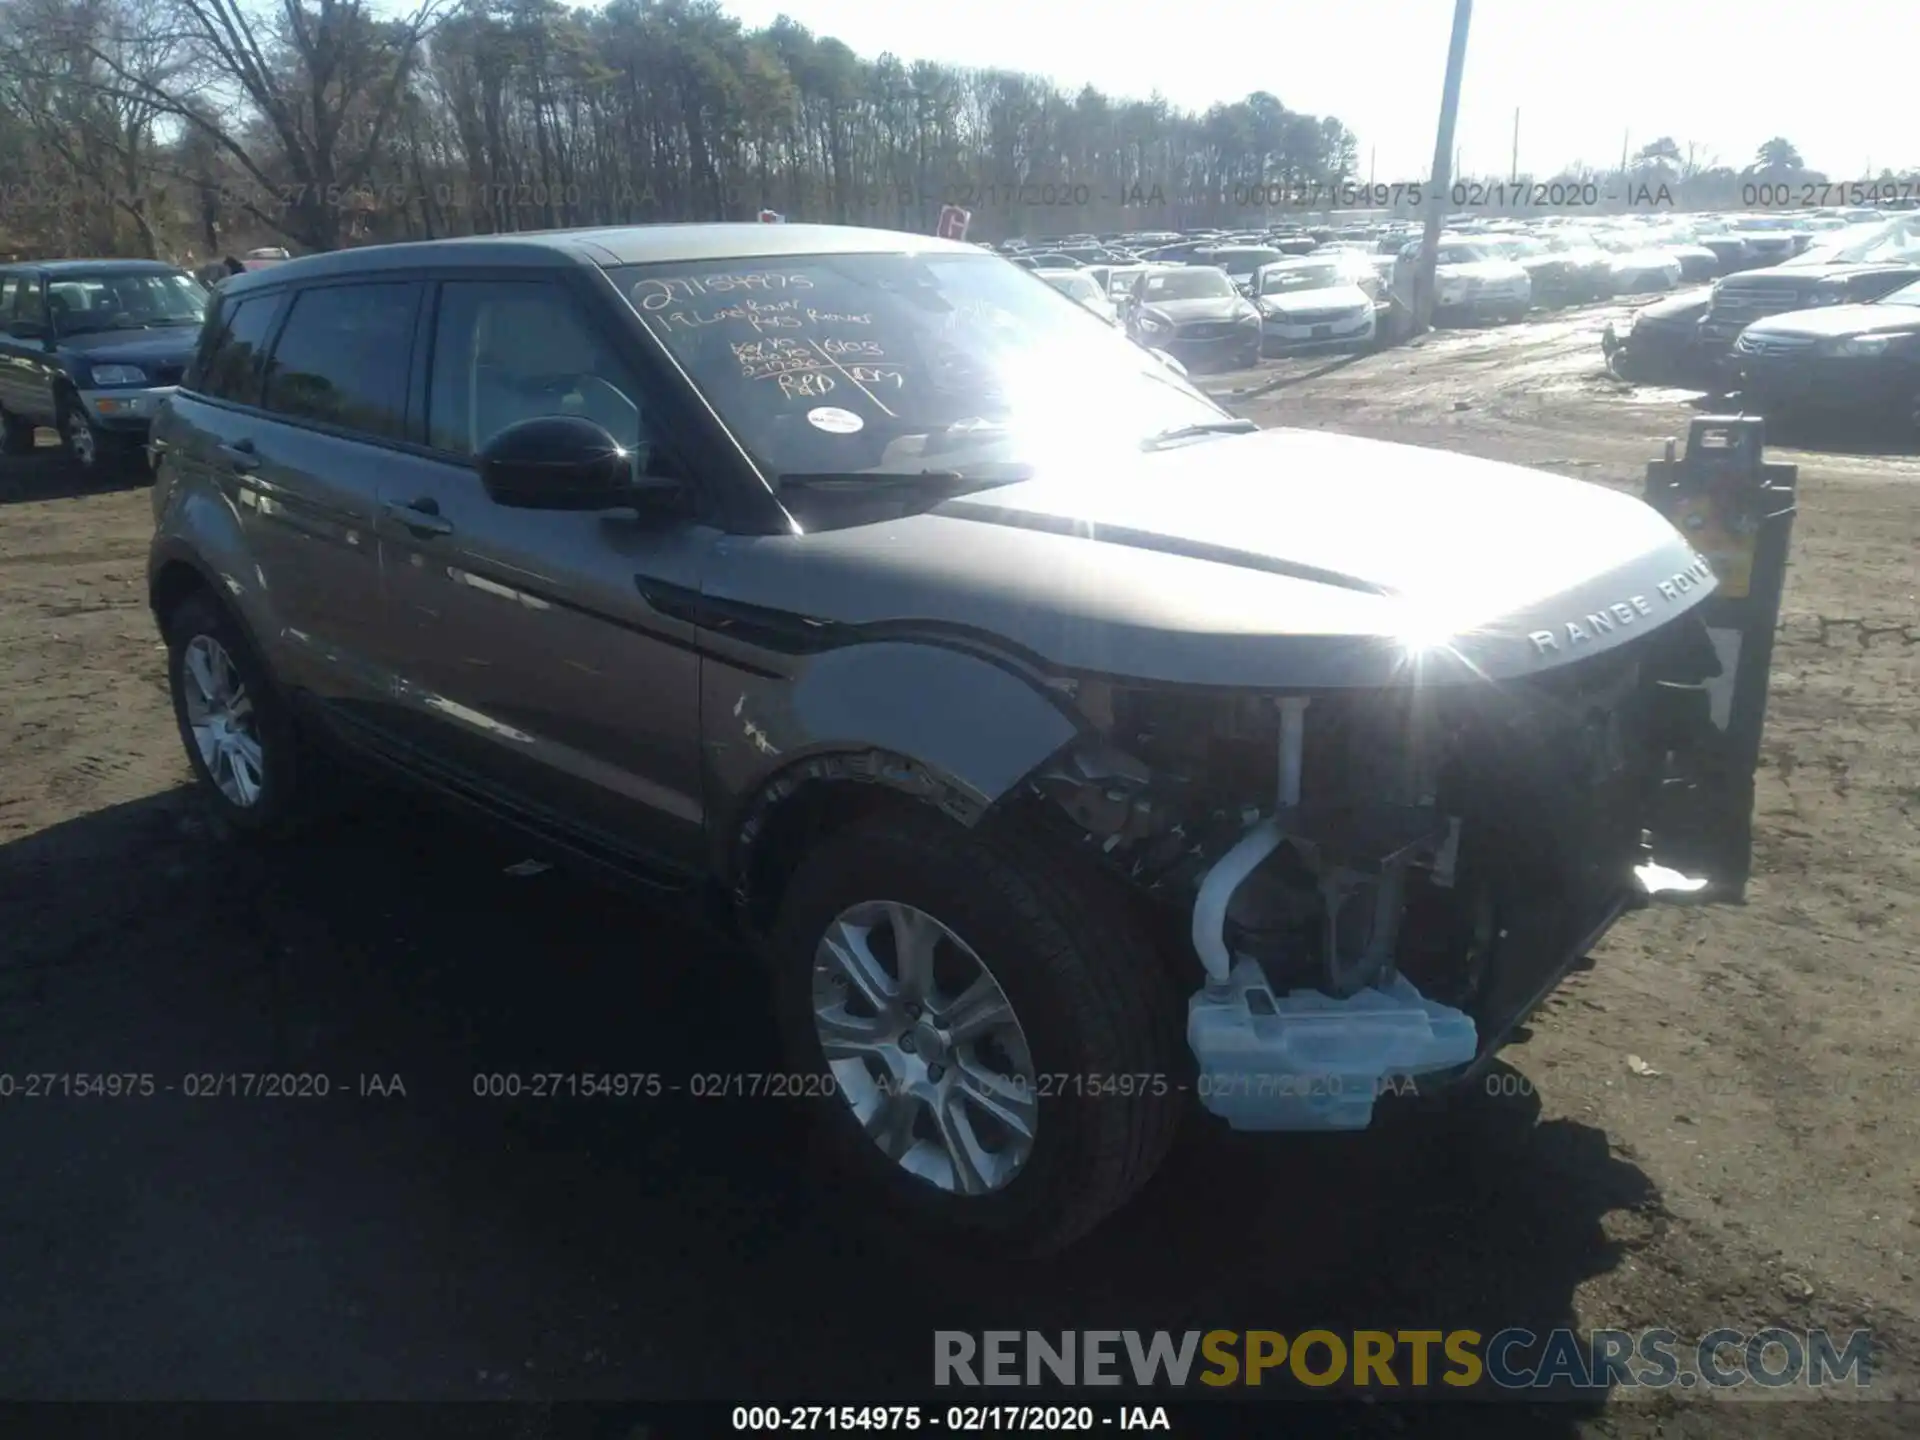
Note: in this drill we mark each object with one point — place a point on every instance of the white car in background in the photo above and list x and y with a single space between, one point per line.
1470 281
1240 261
1121 279
1639 267
1081 286
1314 301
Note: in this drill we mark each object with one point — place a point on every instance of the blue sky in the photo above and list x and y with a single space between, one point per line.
1836 79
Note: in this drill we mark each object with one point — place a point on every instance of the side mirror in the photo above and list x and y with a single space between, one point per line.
567 462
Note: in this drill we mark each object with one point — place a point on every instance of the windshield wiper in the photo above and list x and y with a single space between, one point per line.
943 482
870 479
1203 427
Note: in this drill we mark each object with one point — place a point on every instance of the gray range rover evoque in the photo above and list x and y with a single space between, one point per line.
1068 750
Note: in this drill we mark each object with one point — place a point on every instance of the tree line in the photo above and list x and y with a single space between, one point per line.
177 127
153 126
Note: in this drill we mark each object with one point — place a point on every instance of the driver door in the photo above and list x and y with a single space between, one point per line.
527 662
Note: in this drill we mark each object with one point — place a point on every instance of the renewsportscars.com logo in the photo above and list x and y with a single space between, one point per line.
1512 1359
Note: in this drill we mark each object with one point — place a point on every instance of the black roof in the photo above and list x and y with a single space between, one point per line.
612 245
122 267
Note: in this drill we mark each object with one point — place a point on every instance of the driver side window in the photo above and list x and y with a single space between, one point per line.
507 351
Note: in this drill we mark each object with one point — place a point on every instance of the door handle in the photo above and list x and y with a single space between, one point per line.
423 518
240 457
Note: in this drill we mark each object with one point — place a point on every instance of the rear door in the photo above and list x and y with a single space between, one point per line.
29 366
303 463
525 649
10 282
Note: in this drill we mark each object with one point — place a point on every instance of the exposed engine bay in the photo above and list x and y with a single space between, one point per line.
1451 837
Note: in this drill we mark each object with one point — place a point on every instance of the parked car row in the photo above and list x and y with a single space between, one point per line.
1490 269
1833 328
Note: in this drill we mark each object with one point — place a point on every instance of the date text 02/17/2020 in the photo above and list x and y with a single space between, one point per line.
948 1420
1314 196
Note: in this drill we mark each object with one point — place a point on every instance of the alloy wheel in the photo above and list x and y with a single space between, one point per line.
925 1047
220 713
81 443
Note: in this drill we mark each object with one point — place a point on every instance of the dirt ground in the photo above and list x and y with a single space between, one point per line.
1758 1166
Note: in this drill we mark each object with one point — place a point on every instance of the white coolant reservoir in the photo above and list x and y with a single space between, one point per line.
1309 1061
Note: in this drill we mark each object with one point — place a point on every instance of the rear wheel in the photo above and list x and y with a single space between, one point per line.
240 739
990 1043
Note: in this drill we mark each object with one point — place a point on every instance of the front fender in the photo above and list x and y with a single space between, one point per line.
969 727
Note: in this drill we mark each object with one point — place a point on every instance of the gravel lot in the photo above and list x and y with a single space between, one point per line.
435 1245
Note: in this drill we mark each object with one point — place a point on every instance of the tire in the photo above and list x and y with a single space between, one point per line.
192 627
16 435
87 448
1091 996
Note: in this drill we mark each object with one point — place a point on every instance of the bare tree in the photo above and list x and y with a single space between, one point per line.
324 80
60 70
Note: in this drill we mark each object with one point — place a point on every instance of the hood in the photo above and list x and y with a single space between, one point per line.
1688 305
1331 297
1275 560
173 345
1836 321
1494 270
1645 260
1220 307
1797 276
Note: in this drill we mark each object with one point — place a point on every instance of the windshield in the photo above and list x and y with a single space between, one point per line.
1239 262
1896 240
903 362
83 303
1198 282
1462 255
1906 295
1075 286
1306 277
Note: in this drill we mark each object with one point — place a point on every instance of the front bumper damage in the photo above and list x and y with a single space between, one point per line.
1381 886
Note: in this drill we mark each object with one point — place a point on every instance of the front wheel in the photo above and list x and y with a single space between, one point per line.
86 447
994 1044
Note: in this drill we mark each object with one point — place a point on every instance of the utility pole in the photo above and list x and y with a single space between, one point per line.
1442 170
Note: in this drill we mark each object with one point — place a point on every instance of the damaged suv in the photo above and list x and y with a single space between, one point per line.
1068 750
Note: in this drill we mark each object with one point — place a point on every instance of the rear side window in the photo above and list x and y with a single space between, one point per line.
342 358
29 305
228 366
9 288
